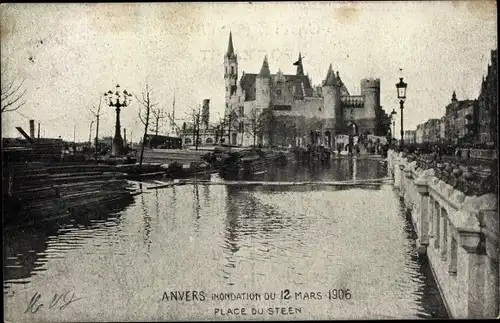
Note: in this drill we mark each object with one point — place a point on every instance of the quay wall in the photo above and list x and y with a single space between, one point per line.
457 234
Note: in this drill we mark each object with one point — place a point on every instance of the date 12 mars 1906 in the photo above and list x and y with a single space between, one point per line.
332 294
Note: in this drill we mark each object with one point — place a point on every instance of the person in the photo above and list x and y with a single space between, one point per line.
64 153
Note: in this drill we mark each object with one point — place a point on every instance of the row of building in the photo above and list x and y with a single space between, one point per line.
465 122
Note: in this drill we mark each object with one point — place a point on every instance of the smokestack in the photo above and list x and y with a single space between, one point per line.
205 114
32 129
125 136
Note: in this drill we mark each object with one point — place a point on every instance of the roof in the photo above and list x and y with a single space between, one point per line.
264 71
230 47
247 83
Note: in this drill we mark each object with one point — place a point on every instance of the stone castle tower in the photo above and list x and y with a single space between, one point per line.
331 102
263 86
318 111
231 74
370 90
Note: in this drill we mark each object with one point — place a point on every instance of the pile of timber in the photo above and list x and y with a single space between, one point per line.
38 193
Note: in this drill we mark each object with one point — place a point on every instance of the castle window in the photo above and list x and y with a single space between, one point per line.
232 69
233 89
319 109
278 92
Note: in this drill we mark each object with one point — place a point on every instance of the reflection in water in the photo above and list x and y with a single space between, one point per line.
232 238
147 222
27 251
340 169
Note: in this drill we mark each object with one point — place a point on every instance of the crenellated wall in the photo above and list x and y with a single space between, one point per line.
458 234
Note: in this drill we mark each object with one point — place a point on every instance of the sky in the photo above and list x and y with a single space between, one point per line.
71 54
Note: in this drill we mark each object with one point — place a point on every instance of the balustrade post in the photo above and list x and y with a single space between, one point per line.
423 220
444 234
401 180
492 288
437 226
408 189
474 264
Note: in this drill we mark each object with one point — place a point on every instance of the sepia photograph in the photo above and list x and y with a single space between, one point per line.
249 161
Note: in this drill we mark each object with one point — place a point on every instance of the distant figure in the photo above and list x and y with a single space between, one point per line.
357 150
65 153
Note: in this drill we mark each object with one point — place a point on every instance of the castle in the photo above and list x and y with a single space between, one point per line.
301 113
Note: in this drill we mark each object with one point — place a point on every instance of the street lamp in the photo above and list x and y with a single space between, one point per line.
117 100
393 118
401 87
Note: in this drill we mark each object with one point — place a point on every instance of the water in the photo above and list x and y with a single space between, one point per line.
221 239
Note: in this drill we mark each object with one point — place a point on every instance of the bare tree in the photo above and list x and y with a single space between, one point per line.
230 122
196 118
177 129
157 114
97 114
255 119
144 115
12 93
269 123
219 129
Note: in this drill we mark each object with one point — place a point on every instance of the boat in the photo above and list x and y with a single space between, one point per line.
245 163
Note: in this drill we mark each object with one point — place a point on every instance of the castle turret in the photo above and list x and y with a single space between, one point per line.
454 97
370 90
263 86
230 71
332 110
300 68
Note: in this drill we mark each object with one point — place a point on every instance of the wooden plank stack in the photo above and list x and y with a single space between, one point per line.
38 193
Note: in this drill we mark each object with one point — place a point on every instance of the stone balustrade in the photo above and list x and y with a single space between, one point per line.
458 233
480 153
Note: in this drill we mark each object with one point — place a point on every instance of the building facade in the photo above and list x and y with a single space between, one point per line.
299 113
208 135
461 120
419 134
431 131
487 131
410 137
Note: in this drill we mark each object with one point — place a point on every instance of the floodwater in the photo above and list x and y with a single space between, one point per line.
312 252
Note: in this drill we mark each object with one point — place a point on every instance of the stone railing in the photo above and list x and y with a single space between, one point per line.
480 153
457 232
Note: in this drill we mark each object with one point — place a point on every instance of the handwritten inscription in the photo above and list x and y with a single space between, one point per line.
58 301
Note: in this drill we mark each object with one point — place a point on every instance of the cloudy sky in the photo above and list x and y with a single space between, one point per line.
70 54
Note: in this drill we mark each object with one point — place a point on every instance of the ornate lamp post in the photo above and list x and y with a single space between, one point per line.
401 87
393 118
117 100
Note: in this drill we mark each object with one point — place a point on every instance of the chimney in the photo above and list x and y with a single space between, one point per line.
32 129
125 136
